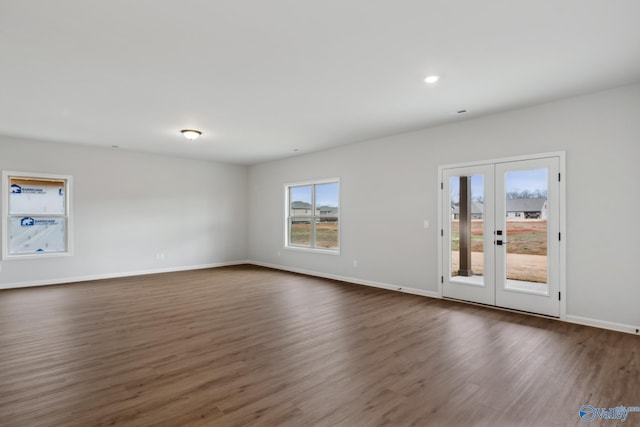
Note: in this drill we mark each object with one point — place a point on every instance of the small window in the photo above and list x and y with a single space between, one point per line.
313 216
36 217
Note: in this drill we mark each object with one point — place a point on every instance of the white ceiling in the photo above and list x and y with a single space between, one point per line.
261 78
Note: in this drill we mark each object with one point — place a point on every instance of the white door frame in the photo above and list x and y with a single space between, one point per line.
561 155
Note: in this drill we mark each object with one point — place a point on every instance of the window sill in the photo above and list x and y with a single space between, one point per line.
313 250
36 255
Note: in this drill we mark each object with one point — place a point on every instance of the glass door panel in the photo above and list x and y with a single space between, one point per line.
467 228
468 233
526 231
527 245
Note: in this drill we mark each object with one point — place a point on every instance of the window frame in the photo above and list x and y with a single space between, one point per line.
6 215
312 216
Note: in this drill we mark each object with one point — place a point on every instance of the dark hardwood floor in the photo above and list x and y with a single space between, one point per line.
249 346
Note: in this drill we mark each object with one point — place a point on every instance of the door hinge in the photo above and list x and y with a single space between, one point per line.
558 176
442 232
559 236
441 279
558 296
442 185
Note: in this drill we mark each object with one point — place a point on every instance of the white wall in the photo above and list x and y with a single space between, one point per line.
128 207
389 187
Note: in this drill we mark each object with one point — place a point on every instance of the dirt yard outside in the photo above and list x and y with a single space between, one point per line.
326 234
530 268
526 249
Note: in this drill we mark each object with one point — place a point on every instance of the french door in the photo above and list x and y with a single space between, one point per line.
501 241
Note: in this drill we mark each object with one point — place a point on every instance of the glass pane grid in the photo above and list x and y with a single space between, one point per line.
315 204
31 234
327 233
300 231
37 216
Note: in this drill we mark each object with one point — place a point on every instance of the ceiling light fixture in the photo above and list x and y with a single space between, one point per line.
431 79
191 134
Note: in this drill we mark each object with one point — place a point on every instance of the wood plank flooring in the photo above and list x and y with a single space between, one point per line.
249 346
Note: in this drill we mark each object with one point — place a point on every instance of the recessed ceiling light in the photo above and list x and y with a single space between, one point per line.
191 134
431 79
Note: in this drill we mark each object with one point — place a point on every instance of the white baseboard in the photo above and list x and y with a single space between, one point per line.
64 280
391 287
620 327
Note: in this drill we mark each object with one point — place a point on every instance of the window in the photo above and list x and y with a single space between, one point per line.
36 218
313 216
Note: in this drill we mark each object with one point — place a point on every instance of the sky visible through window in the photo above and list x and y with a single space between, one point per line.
326 194
301 194
532 180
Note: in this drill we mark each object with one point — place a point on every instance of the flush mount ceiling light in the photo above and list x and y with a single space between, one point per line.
431 79
191 134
